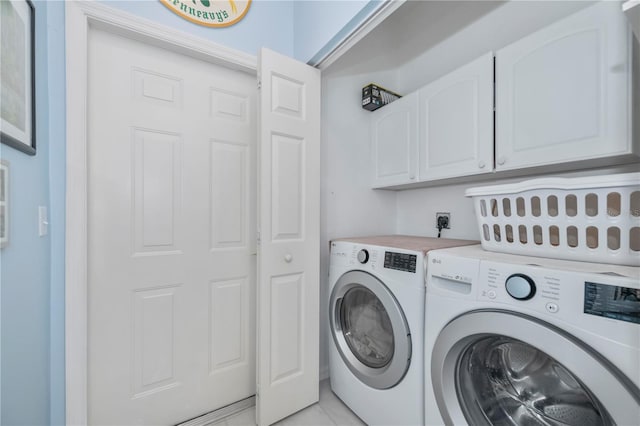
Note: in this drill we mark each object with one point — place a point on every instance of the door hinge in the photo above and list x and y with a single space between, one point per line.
494 84
259 84
258 237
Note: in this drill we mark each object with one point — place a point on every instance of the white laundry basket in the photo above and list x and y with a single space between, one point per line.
593 219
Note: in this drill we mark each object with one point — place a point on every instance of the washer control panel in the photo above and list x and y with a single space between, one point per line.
601 299
609 301
537 288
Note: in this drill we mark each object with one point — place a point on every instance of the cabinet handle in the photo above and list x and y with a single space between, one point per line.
501 160
481 164
288 258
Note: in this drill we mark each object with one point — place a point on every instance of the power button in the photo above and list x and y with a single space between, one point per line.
491 294
552 307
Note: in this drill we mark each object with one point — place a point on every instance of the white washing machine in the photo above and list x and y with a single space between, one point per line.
515 340
376 315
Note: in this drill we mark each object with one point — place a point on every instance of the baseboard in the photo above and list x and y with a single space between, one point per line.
324 372
224 412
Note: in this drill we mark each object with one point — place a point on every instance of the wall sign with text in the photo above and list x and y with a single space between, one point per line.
211 13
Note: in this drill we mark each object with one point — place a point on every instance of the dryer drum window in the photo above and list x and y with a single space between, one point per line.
506 381
369 330
366 327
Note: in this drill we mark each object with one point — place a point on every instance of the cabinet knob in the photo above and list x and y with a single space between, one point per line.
481 164
501 160
288 258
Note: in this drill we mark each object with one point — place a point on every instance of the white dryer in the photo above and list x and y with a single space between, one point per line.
529 341
376 315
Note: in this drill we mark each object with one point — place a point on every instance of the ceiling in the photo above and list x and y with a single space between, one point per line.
418 25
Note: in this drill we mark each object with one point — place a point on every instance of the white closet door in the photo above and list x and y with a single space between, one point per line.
563 93
171 212
456 122
289 223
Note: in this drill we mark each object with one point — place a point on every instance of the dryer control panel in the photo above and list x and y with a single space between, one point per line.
392 262
400 261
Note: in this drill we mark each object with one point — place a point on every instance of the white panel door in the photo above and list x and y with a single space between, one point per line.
563 93
171 156
456 122
394 146
289 248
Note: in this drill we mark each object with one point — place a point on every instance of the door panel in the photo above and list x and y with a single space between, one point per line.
229 328
157 190
153 347
171 160
287 325
288 257
288 180
229 195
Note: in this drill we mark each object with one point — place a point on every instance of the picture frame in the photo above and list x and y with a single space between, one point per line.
17 75
4 203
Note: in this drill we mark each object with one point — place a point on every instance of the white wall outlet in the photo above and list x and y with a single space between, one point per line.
43 221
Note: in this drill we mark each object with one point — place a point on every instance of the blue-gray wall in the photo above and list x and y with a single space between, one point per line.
320 25
57 176
25 283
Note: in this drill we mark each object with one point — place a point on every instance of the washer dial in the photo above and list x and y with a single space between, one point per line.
363 256
520 287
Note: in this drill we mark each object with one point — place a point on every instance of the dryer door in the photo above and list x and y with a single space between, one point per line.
370 330
495 367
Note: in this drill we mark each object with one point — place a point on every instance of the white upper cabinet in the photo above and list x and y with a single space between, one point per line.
456 122
563 93
394 142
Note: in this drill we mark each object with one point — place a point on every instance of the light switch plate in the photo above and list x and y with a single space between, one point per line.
43 221
4 203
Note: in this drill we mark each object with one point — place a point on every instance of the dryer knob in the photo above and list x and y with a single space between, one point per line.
520 287
363 256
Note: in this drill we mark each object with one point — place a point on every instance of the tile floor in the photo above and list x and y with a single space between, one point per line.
327 412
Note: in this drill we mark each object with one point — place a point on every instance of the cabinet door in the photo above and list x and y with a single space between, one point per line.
456 122
394 151
563 93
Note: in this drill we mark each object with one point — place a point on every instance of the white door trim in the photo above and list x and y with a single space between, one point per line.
79 15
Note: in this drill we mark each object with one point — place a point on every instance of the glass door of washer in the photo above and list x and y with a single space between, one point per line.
493 367
370 330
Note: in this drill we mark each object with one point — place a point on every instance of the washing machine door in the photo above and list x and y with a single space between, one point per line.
495 367
370 330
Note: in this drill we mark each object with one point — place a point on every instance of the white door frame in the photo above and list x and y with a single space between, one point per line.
79 16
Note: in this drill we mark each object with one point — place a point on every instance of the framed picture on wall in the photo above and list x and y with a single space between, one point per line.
4 203
17 75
